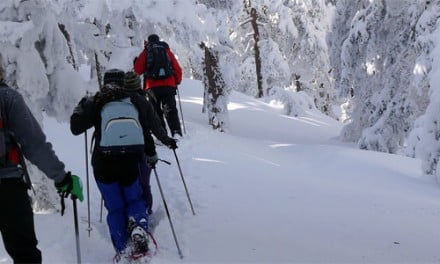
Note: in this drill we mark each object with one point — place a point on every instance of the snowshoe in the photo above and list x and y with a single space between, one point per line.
139 238
144 257
119 257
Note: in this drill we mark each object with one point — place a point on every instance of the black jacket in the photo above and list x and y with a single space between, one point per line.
87 115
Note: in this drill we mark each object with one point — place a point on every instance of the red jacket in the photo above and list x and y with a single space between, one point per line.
141 65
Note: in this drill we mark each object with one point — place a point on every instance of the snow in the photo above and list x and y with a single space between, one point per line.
275 189
13 31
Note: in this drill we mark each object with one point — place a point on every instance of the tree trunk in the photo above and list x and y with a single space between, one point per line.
214 90
256 35
297 82
66 35
98 71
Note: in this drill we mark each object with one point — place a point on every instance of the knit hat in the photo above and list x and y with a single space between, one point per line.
115 76
153 38
132 81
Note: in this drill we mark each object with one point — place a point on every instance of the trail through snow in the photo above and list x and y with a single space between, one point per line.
274 189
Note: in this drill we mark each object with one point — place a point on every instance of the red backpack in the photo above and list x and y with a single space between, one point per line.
9 151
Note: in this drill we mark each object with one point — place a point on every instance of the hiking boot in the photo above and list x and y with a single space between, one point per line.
139 237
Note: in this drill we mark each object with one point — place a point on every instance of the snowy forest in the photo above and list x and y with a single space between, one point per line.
371 64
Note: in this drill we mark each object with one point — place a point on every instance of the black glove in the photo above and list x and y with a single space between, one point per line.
152 160
71 185
170 142
65 187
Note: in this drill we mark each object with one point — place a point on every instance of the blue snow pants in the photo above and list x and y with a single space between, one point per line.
118 179
123 203
145 172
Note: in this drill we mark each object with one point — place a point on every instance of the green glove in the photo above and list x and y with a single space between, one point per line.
71 185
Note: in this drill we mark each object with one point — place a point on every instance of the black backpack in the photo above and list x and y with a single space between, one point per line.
158 62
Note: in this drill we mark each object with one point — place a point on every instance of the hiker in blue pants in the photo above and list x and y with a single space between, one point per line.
122 119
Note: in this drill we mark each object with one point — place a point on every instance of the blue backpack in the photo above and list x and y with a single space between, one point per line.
121 131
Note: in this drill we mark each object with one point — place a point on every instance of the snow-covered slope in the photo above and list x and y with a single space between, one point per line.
275 189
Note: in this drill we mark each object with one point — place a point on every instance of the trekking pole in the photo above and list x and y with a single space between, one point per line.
181 113
184 184
168 212
75 219
100 214
89 228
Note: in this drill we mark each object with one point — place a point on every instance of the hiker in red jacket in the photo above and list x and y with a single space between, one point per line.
162 74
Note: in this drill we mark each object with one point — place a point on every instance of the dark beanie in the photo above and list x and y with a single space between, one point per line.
115 76
132 81
153 38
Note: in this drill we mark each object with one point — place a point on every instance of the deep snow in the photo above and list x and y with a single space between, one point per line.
274 189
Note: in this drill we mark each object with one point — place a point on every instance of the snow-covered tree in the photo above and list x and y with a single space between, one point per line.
388 72
300 28
218 4
378 60
345 11
305 25
424 139
39 63
48 45
378 56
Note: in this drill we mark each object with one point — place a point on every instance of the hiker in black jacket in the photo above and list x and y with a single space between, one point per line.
118 176
21 135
